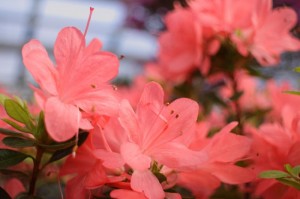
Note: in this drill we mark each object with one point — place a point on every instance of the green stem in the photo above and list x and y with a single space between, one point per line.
35 171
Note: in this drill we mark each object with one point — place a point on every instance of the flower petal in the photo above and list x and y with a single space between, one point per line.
134 157
126 194
37 62
68 45
62 120
146 182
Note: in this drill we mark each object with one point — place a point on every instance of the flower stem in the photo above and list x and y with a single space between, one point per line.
35 171
237 107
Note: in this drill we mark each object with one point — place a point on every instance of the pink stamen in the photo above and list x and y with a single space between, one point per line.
88 22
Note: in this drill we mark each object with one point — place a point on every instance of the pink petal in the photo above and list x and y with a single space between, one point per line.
37 62
75 188
99 67
235 148
110 159
68 45
14 187
94 46
176 155
82 163
134 157
62 120
126 194
201 183
103 101
153 95
175 120
181 115
96 177
231 174
129 121
147 183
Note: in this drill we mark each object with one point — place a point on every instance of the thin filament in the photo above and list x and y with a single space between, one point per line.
88 22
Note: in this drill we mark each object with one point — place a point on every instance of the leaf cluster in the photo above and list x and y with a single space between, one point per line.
290 177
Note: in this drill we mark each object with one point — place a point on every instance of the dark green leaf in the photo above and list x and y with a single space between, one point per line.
57 155
16 125
17 142
236 95
10 157
14 174
11 133
290 182
40 133
57 146
17 112
273 174
161 177
4 194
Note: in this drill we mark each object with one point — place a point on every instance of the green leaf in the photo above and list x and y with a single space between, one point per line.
16 126
57 155
288 168
14 174
4 194
161 177
296 171
236 95
41 133
10 157
17 142
292 92
17 112
273 174
3 98
11 133
290 182
57 146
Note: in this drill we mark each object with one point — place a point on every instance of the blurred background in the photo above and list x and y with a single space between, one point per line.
128 28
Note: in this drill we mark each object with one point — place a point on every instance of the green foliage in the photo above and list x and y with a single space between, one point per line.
14 174
273 174
10 158
17 142
290 177
19 112
59 154
236 96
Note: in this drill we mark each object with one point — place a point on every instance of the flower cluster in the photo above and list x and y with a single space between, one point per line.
210 129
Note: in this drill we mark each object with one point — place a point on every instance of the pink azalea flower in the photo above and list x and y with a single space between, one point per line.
274 145
220 166
259 38
180 46
88 171
77 82
150 138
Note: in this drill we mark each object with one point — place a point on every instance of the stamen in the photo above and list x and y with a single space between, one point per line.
74 151
88 22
